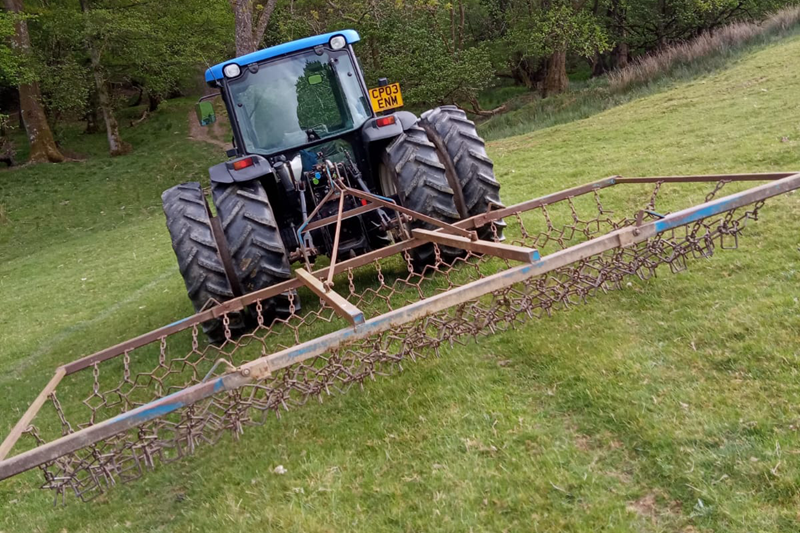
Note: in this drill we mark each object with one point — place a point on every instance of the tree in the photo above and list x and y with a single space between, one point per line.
131 47
94 45
653 24
544 33
163 54
617 13
251 18
42 144
434 56
65 80
427 45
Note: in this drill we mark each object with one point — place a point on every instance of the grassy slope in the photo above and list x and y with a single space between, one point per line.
527 112
621 415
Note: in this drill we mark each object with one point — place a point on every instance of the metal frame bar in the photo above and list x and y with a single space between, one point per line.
376 201
347 214
766 176
453 228
498 249
265 365
343 308
336 235
31 412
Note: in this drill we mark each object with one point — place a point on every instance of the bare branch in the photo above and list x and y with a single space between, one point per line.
262 21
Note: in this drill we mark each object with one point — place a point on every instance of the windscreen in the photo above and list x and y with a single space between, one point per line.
290 102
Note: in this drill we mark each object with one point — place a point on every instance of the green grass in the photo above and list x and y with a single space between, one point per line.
621 415
528 112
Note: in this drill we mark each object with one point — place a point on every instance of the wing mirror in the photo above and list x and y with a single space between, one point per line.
205 113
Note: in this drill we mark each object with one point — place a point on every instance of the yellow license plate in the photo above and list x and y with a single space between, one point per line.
386 97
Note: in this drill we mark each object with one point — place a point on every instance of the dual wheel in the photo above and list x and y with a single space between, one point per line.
438 168
246 239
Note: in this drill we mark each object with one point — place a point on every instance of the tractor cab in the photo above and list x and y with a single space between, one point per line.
292 96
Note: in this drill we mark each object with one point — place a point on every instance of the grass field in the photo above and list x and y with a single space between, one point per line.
669 406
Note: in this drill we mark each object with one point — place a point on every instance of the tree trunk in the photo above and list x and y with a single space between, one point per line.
139 96
153 101
91 117
598 64
40 136
528 72
621 55
243 24
478 110
250 23
518 71
556 80
661 28
116 146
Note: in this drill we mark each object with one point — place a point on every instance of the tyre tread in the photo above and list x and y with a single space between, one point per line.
473 168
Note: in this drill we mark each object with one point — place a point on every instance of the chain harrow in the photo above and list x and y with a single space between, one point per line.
183 359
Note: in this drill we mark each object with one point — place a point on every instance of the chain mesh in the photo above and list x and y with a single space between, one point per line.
180 360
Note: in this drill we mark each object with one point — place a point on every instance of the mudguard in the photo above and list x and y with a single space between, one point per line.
371 132
225 173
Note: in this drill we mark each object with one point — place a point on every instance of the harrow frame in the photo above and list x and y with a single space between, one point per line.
60 455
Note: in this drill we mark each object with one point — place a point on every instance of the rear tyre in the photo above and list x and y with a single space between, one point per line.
189 227
469 170
254 241
410 162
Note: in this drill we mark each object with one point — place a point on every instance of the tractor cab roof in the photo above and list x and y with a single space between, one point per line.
215 73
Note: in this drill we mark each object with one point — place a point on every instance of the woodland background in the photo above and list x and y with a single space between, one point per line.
68 61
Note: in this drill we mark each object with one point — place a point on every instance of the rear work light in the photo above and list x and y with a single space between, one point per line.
385 121
243 163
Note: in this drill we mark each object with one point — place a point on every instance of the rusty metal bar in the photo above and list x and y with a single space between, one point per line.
475 289
331 194
342 307
726 203
453 228
142 340
30 413
480 220
347 214
494 215
237 304
264 366
225 255
336 235
506 251
133 418
767 176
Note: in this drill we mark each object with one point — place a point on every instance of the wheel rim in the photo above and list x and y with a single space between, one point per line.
387 180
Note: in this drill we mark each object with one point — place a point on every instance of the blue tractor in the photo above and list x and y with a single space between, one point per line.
302 115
